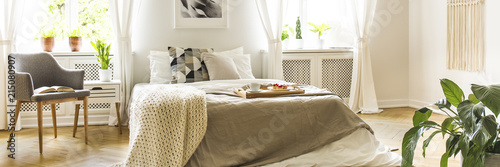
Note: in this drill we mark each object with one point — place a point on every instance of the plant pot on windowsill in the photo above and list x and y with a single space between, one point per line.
296 44
75 43
47 43
105 75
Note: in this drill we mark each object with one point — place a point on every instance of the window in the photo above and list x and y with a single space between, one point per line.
91 17
336 13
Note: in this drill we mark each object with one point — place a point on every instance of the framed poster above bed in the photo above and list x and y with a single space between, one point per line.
200 14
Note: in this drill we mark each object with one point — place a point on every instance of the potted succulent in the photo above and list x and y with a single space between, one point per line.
47 39
321 30
470 129
103 58
75 40
297 43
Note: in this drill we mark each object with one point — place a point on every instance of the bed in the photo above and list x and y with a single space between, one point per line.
196 122
309 130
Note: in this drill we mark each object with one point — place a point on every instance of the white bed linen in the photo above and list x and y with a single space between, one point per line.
360 148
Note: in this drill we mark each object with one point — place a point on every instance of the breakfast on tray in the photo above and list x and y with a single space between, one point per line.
279 86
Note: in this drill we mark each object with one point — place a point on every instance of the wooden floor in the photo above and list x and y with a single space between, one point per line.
106 146
390 127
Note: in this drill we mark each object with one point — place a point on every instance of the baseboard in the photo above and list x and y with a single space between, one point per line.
418 103
65 121
393 103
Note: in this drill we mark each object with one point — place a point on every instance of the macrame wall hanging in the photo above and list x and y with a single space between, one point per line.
465 45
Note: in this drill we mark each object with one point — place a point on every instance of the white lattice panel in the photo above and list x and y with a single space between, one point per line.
98 106
297 71
92 70
336 76
31 107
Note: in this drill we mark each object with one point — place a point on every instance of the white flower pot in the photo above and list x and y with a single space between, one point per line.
284 44
296 43
105 75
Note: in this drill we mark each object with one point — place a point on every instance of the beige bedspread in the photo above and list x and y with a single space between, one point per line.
250 132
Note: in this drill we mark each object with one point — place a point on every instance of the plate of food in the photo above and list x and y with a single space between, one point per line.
280 87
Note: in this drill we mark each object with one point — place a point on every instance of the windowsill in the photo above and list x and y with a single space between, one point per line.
324 50
61 54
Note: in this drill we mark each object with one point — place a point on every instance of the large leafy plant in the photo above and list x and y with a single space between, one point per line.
102 54
469 130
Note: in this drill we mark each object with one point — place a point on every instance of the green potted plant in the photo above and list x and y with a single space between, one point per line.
285 34
298 43
471 131
321 30
47 38
103 58
75 40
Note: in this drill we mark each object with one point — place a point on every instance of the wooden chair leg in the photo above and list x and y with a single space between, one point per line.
118 116
86 115
54 120
39 114
16 113
77 112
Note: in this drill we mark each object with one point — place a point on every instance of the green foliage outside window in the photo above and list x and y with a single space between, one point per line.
93 20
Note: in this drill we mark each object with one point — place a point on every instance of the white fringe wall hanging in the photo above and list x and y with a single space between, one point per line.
465 45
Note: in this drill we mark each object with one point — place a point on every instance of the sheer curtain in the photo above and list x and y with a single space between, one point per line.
272 14
363 98
122 16
11 10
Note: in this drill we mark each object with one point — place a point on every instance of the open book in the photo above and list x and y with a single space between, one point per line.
46 89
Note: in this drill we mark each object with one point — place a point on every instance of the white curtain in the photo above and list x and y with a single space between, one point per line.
363 98
11 11
123 13
272 13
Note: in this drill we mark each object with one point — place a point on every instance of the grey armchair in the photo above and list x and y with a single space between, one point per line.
34 70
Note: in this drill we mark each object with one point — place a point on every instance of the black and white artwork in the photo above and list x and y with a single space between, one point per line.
201 8
200 14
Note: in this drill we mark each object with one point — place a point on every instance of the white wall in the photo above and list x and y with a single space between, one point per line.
428 51
154 31
389 52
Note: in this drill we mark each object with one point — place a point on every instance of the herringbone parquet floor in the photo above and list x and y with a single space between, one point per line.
106 146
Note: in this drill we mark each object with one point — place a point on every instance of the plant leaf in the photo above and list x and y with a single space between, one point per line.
466 115
444 159
428 140
473 98
446 125
463 144
421 115
409 143
452 91
489 95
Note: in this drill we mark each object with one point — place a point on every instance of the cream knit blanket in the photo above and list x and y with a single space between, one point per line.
167 123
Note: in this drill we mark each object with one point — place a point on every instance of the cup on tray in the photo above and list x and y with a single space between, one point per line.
254 86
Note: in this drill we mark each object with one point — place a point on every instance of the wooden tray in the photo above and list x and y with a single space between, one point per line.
266 92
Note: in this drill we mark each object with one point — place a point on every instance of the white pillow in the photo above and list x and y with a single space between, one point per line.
243 65
242 62
159 64
220 67
235 51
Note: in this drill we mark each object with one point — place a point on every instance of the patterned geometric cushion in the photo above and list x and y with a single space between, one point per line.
187 65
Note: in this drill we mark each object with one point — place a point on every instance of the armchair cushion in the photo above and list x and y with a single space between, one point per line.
24 86
60 95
